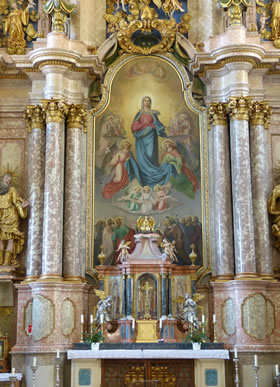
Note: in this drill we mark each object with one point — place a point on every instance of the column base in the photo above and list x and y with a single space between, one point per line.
31 278
267 277
247 276
223 278
50 278
73 279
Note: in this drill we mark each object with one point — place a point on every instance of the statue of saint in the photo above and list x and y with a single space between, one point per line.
16 19
274 209
12 208
275 23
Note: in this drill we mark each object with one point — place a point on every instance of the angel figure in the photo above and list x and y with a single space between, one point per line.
170 251
170 6
124 253
104 308
190 309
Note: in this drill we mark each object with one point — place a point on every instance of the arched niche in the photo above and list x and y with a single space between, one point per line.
147 297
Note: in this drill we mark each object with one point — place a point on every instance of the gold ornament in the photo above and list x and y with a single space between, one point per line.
274 209
55 110
13 26
146 224
259 113
235 10
34 117
238 108
59 10
217 113
76 116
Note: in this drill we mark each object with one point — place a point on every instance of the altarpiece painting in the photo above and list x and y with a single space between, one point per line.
147 153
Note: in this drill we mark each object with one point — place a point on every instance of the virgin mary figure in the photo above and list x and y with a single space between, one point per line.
146 128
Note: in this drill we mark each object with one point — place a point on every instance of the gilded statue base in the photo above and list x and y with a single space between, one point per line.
276 43
146 331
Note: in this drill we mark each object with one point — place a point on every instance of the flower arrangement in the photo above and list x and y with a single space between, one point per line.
96 336
196 335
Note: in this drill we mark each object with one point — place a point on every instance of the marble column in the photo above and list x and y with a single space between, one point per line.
163 294
35 118
259 114
129 295
221 188
53 194
123 294
72 261
169 293
243 222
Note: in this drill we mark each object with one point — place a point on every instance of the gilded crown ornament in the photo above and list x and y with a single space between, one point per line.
145 224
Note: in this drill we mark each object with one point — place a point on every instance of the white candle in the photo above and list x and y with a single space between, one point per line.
255 360
102 319
160 324
191 319
34 361
203 319
13 371
91 319
276 369
133 324
214 318
57 353
82 318
235 353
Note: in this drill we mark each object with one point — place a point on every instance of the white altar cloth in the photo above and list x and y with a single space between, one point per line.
5 377
149 354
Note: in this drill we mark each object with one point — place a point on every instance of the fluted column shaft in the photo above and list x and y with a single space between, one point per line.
223 228
72 267
245 265
36 124
259 115
54 187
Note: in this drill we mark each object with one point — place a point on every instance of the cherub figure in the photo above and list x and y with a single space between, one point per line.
124 253
169 253
104 308
170 6
263 20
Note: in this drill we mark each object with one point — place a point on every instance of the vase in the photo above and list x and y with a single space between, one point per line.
95 346
196 346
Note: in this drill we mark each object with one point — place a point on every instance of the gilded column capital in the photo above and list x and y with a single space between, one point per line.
217 114
259 113
35 117
76 117
239 107
55 110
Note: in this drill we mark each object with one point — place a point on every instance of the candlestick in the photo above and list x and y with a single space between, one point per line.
81 332
214 328
236 380
13 381
34 369
256 370
277 378
235 353
57 379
